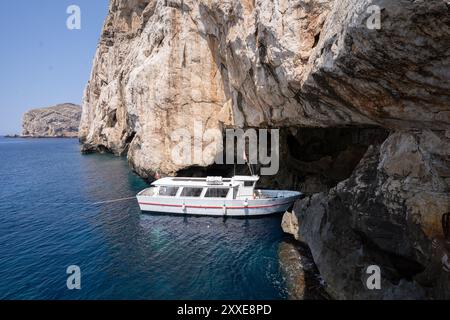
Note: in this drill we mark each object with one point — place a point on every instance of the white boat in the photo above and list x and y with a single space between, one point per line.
214 196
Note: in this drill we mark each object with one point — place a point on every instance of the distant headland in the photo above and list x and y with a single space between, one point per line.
59 121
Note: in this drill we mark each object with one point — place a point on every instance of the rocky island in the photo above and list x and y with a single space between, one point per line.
364 114
60 121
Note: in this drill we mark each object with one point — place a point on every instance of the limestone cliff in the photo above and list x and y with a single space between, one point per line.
61 120
342 92
162 63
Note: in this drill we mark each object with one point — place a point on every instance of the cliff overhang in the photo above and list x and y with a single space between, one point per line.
317 70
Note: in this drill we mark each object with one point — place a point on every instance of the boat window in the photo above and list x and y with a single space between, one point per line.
217 193
191 192
248 183
168 191
150 192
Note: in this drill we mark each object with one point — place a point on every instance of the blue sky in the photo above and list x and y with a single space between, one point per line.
42 62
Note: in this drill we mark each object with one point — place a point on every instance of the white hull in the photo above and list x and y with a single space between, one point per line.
281 202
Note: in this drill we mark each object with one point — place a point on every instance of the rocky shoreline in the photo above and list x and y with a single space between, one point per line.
300 273
363 114
390 213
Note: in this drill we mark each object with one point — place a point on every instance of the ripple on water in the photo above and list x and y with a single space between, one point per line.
122 253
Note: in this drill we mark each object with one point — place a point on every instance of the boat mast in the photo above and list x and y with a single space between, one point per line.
248 164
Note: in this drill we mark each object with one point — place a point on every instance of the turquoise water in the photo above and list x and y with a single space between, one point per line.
48 222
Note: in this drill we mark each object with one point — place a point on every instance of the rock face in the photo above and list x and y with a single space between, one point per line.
389 213
61 120
301 275
163 63
299 65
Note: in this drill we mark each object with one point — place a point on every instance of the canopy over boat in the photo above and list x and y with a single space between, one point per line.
206 182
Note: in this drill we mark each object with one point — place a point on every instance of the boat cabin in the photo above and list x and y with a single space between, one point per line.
238 187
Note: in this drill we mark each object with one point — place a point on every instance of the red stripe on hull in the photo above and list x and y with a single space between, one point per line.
213 207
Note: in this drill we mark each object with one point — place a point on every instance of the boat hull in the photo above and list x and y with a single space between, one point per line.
215 207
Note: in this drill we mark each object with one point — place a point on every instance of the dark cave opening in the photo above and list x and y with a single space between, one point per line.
316 40
130 137
212 170
311 159
112 119
317 159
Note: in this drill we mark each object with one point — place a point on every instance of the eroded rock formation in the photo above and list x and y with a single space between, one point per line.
389 213
61 121
303 66
162 63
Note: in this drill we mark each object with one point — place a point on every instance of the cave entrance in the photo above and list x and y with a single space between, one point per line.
312 160
317 159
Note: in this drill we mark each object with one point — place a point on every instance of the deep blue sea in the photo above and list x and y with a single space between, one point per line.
48 222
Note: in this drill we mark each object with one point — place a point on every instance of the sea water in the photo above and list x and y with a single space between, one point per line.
48 222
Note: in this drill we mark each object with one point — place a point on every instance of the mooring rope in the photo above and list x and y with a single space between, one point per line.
87 203
112 201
